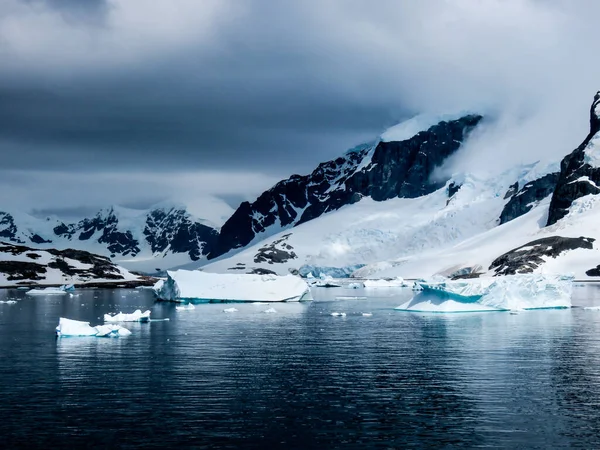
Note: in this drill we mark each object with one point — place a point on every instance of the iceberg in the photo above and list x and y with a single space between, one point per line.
385 283
355 285
508 293
230 310
325 282
136 316
187 307
47 291
69 327
270 311
338 314
198 285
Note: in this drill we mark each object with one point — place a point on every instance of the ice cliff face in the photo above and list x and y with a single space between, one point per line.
383 171
579 171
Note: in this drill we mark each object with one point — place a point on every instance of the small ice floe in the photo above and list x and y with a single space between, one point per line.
349 297
355 285
367 314
136 316
514 313
260 303
270 311
386 283
187 307
69 327
338 314
47 291
592 308
230 310
8 302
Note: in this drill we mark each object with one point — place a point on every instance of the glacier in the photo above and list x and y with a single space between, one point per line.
70 327
198 285
308 270
507 293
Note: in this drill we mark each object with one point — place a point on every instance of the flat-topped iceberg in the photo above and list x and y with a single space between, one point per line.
47 291
136 316
69 327
385 283
198 285
512 292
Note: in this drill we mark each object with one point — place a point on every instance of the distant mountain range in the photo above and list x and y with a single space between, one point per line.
380 206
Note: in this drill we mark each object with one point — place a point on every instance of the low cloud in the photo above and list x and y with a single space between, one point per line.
221 86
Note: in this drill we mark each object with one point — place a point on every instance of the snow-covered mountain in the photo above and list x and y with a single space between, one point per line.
379 207
401 164
143 240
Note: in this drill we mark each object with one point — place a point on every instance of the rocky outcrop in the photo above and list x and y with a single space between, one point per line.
383 171
523 200
174 230
577 176
22 264
528 257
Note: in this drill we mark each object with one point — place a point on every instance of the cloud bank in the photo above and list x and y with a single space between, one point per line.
181 89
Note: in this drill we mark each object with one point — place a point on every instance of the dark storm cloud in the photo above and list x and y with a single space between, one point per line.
214 87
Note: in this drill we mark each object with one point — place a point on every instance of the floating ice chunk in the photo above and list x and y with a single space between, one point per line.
592 308
349 297
195 284
338 314
508 293
395 282
69 327
260 303
136 316
8 302
187 307
355 285
270 311
230 310
367 314
325 282
47 291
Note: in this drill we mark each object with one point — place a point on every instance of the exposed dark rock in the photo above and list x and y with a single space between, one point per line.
99 266
526 198
22 270
37 239
278 251
594 272
173 229
512 190
8 229
388 170
453 188
528 257
261 271
577 177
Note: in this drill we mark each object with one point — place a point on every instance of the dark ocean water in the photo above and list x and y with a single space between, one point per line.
299 378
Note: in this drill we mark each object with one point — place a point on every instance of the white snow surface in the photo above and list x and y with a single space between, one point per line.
70 327
195 284
421 237
514 293
136 316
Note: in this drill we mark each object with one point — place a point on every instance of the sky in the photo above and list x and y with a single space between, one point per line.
133 102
